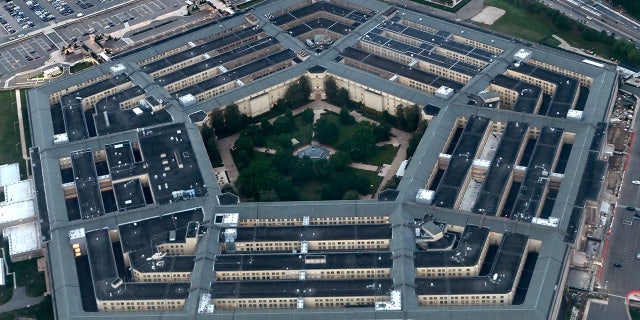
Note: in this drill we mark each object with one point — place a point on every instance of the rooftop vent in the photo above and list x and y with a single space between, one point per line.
522 55
117 69
444 92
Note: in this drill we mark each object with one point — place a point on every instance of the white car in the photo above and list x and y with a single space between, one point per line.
635 181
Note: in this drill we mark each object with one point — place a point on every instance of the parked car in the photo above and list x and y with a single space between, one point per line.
617 265
635 181
630 208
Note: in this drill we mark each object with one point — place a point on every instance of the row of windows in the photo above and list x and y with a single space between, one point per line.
290 303
478 44
186 46
176 66
141 305
313 221
55 97
463 300
584 80
163 55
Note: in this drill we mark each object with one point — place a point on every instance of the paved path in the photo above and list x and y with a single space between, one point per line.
23 142
19 300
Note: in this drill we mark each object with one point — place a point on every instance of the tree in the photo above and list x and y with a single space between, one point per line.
363 142
267 127
382 132
233 118
283 124
259 177
268 196
340 161
244 143
282 162
325 131
401 121
207 132
412 116
255 133
216 121
307 115
302 170
212 152
331 89
284 141
342 97
298 92
346 118
415 139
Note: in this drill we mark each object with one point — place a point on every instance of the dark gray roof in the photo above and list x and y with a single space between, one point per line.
460 162
493 189
505 268
294 261
87 186
295 289
465 253
309 233
173 180
537 177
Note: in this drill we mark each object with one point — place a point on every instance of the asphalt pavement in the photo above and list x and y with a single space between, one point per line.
622 244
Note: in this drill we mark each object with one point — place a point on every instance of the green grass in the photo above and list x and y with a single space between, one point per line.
550 41
27 276
539 28
516 21
635 313
41 311
303 134
9 131
383 155
80 66
372 176
310 190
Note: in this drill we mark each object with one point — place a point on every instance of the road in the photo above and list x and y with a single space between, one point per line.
623 244
600 17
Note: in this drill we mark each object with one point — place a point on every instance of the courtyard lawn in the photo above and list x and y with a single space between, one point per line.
27 275
40 311
383 155
372 176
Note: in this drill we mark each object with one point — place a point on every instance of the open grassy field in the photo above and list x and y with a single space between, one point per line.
9 134
538 28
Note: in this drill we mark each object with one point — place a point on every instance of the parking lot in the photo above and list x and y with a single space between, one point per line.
72 21
119 18
24 55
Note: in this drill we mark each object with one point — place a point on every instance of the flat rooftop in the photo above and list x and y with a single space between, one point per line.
320 6
536 180
493 189
171 164
499 281
207 47
296 289
87 186
294 261
461 160
311 233
465 253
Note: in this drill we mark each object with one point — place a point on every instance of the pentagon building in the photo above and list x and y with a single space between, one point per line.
481 226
